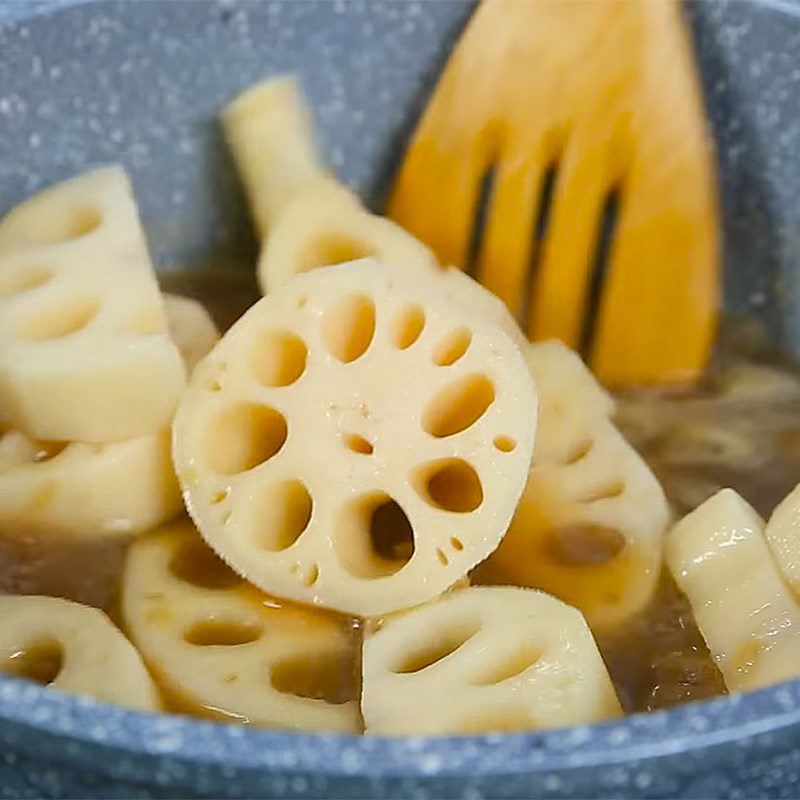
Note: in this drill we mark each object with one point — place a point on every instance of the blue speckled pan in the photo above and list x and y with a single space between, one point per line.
141 83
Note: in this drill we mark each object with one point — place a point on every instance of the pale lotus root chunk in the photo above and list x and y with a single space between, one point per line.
84 349
590 524
82 490
312 220
73 648
85 490
224 649
783 537
482 660
191 328
356 442
748 617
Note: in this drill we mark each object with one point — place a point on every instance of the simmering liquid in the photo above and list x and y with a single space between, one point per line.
740 428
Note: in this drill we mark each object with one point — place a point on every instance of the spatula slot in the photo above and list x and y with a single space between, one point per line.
481 216
544 213
600 265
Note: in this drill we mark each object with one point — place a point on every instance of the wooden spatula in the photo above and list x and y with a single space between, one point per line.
569 109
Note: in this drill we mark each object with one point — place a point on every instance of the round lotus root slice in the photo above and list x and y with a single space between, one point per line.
73 648
482 660
224 649
590 524
355 441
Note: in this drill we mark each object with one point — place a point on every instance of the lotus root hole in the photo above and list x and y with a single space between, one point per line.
452 347
349 327
507 666
333 248
243 436
57 321
61 222
585 544
505 444
458 406
222 633
330 677
437 643
47 451
213 381
279 358
281 515
374 538
358 444
310 576
220 496
195 563
579 451
41 662
407 326
16 280
606 491
450 484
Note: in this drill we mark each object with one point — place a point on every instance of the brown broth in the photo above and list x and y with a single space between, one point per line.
741 428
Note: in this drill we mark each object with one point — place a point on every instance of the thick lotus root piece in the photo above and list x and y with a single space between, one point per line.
481 660
84 350
224 649
191 328
312 220
73 648
88 490
748 617
355 441
85 490
783 537
590 523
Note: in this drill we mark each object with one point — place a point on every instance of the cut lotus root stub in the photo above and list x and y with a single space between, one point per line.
73 648
270 132
481 660
224 649
84 349
747 615
313 221
590 524
355 441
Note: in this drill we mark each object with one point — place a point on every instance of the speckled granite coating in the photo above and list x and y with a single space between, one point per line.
141 83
